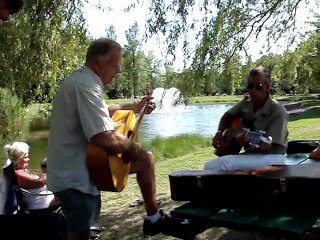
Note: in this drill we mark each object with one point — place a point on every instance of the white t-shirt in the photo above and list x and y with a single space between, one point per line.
40 200
79 112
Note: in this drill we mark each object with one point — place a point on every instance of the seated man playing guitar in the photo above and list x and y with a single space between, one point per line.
258 123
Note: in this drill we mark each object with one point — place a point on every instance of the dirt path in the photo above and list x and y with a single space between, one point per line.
295 107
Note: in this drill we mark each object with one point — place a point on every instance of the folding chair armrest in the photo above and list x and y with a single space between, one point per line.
35 194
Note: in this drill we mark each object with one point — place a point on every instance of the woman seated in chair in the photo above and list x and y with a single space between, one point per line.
37 196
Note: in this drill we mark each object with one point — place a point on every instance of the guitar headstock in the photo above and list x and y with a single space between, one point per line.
149 94
149 89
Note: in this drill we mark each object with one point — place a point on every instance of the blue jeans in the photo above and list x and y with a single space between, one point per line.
245 161
80 209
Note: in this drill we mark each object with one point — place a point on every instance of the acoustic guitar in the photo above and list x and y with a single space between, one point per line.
228 145
110 172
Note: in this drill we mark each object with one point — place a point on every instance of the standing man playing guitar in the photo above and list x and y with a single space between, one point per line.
79 116
256 113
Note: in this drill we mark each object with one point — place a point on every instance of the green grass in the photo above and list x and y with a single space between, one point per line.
306 125
168 148
306 100
214 99
120 101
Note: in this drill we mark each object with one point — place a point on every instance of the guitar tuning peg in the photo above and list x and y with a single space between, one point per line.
149 89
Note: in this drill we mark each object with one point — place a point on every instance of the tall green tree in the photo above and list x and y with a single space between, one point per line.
308 72
132 50
38 49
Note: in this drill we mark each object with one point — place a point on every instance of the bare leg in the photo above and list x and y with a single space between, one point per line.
55 202
144 169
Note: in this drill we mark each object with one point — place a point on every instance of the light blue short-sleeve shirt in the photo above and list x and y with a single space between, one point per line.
78 113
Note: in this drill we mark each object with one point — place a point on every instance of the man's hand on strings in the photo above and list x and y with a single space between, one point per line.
217 139
147 103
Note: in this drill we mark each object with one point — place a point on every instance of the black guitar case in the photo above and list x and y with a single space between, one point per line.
292 185
285 185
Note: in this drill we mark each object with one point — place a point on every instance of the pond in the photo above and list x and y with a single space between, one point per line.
166 122
192 119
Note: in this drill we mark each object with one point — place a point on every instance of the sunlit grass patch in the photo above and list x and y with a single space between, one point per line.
164 148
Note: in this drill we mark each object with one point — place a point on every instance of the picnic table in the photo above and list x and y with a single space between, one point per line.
280 201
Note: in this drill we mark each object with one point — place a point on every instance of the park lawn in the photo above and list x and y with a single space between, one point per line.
215 99
306 125
124 222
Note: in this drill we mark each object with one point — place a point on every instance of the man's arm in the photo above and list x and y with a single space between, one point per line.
224 123
116 107
115 143
228 117
135 107
265 147
27 181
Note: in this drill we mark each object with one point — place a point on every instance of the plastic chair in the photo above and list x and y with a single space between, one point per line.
13 194
35 224
9 183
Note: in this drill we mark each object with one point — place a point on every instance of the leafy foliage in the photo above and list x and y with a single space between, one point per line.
48 40
38 49
222 27
11 115
221 30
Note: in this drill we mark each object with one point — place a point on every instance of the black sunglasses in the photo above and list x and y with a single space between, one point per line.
258 86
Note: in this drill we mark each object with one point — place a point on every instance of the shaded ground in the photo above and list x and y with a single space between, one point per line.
126 224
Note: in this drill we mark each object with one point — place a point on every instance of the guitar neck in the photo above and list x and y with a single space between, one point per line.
136 127
254 137
141 114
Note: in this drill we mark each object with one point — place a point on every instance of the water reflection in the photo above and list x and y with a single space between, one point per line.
191 119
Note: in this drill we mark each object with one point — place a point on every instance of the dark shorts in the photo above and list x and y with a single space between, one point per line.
80 209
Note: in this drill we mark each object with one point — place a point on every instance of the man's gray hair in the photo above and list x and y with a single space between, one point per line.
101 47
261 71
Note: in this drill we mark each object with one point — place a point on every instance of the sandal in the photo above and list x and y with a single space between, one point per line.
136 203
